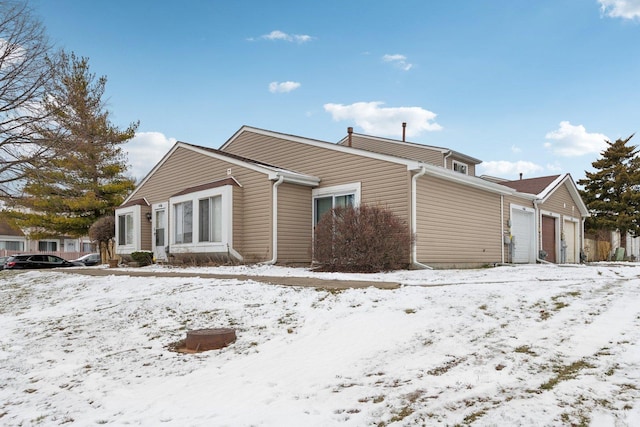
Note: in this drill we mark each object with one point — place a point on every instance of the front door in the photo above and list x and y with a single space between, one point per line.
160 240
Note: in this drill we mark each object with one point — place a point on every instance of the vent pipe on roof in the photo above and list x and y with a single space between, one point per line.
404 128
520 176
350 131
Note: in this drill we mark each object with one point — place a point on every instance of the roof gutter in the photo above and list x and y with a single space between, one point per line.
414 221
274 226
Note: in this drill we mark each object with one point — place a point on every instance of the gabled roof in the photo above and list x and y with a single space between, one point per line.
273 173
135 202
543 187
531 185
445 151
6 229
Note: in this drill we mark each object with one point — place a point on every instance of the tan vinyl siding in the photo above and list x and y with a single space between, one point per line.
238 219
381 181
145 232
294 224
186 168
404 150
457 225
561 202
257 218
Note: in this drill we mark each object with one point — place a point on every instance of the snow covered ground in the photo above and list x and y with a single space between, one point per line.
529 345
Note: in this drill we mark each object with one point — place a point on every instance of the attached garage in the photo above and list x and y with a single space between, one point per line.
522 232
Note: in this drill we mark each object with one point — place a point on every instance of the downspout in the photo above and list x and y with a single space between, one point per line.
502 228
414 220
538 225
444 159
274 226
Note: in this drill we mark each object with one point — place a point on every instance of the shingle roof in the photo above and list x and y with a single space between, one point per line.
531 185
7 229
207 186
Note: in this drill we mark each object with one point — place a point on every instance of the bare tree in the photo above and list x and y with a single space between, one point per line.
25 70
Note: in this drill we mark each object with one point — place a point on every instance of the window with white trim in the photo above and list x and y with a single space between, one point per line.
183 222
202 221
460 167
210 219
125 229
325 199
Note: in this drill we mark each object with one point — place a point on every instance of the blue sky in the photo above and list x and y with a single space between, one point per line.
526 86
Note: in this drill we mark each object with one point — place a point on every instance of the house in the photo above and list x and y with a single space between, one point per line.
258 197
13 240
11 237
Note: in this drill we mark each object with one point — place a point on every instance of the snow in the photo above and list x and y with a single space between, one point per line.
528 345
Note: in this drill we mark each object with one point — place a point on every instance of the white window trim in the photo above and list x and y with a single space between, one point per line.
339 190
456 162
226 192
136 245
354 188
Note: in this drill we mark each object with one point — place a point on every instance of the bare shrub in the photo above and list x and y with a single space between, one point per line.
364 239
103 232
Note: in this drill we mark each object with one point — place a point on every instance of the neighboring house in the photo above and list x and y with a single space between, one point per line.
13 240
258 197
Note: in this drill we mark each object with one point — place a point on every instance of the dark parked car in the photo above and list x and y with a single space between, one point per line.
89 259
37 261
3 259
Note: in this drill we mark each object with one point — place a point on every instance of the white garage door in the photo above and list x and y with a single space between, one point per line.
523 232
570 240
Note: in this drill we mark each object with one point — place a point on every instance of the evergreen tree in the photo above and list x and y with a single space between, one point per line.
85 180
612 192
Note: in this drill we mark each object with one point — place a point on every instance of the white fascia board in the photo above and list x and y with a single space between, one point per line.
467 180
411 164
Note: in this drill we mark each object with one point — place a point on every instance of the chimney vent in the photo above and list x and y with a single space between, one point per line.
404 128
520 176
350 132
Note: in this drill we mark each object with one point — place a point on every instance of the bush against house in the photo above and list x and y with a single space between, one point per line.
361 239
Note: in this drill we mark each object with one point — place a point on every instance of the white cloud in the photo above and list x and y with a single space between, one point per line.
279 35
145 150
375 120
626 9
398 60
572 141
515 149
505 169
283 87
